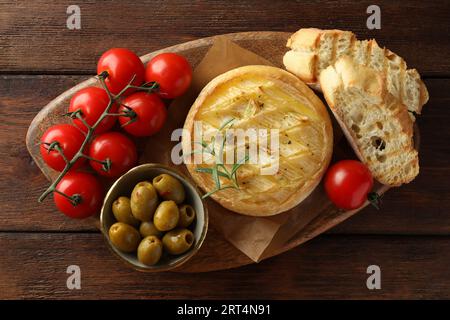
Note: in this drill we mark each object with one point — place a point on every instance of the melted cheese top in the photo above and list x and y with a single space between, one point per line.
252 101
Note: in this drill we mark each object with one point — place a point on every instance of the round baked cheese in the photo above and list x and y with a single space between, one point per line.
279 117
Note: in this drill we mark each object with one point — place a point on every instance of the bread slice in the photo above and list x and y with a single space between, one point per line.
377 125
313 50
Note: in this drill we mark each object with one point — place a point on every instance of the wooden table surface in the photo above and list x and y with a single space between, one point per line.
409 238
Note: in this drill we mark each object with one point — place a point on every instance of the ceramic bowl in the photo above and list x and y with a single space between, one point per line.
123 187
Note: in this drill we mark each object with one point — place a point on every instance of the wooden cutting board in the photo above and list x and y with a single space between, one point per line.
216 253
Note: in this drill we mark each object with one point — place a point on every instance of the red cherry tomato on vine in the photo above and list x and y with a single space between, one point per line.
121 65
150 114
92 102
86 190
348 183
69 140
116 148
172 72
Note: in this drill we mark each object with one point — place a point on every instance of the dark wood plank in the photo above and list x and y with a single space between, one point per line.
34 40
418 208
34 37
327 267
20 179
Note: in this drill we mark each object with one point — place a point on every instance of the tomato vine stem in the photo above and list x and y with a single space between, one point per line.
76 198
374 199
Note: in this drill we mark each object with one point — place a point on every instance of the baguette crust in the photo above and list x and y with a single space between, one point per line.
313 50
377 126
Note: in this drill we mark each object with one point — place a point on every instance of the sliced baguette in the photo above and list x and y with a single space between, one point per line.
376 124
313 50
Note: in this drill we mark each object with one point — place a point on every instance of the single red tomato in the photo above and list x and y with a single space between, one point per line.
116 148
121 65
92 102
348 183
86 189
172 72
150 113
68 138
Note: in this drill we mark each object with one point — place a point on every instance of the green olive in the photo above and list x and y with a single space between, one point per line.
166 216
148 229
187 215
178 241
124 237
144 201
122 211
169 188
150 250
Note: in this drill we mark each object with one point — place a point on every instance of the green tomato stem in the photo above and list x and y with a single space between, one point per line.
76 199
374 199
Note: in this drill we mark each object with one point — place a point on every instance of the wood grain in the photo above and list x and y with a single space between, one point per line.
218 254
34 40
156 149
418 208
34 37
327 267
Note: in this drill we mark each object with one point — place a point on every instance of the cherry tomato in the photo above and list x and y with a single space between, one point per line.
116 147
69 139
172 72
347 184
92 101
150 114
121 65
86 188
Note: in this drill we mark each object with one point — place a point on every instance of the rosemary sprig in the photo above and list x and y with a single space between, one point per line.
210 171
219 169
226 123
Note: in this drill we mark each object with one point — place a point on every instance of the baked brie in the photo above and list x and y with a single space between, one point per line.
257 140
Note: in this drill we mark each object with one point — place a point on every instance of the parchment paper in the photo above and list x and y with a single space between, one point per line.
254 236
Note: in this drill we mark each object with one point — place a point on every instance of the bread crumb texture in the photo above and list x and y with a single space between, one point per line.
313 50
376 123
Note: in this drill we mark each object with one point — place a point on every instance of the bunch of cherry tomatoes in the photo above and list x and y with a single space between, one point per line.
140 113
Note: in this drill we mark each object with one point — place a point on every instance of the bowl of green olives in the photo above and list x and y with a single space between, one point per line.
153 218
